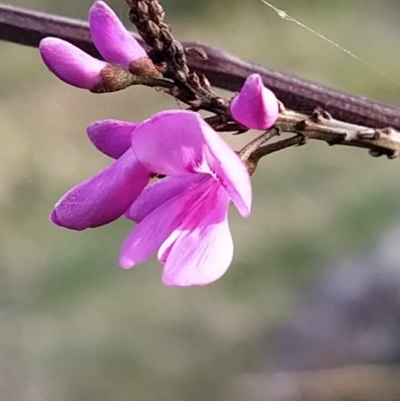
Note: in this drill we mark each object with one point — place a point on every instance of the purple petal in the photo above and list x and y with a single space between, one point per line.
70 64
155 228
180 142
255 106
203 251
111 38
159 192
102 198
229 170
112 137
170 143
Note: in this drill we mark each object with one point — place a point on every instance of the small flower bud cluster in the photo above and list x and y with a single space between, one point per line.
122 53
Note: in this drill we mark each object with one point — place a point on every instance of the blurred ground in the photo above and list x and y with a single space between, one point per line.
76 327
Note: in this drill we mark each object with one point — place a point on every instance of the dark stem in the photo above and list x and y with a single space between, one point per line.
252 160
225 71
247 151
276 147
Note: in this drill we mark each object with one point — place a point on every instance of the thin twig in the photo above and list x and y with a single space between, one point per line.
276 147
323 127
257 143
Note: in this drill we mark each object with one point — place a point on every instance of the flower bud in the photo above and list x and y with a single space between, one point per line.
114 42
255 106
71 64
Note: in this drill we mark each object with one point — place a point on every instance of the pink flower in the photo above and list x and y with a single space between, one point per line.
112 40
106 196
184 216
255 106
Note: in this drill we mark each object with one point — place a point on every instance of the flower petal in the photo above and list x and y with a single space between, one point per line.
229 169
206 194
203 252
155 228
114 42
102 198
184 143
166 246
255 106
71 64
111 137
159 192
170 143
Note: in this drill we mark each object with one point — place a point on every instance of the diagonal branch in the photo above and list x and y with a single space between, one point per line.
321 126
224 70
345 119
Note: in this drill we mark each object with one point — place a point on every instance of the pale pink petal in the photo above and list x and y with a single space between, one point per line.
154 229
203 252
71 64
255 106
114 42
207 196
112 137
155 194
166 246
102 198
170 143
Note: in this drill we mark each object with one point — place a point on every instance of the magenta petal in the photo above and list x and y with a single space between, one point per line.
255 106
112 137
102 198
155 194
111 38
180 142
154 229
229 170
170 143
202 253
70 64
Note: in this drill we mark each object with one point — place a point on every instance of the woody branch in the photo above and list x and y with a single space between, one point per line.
311 111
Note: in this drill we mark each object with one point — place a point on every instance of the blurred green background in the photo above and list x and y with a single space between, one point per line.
74 326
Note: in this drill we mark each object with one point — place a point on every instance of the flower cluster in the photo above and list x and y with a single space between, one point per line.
183 216
121 52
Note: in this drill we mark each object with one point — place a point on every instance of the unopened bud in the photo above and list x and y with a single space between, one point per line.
255 106
71 64
114 42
